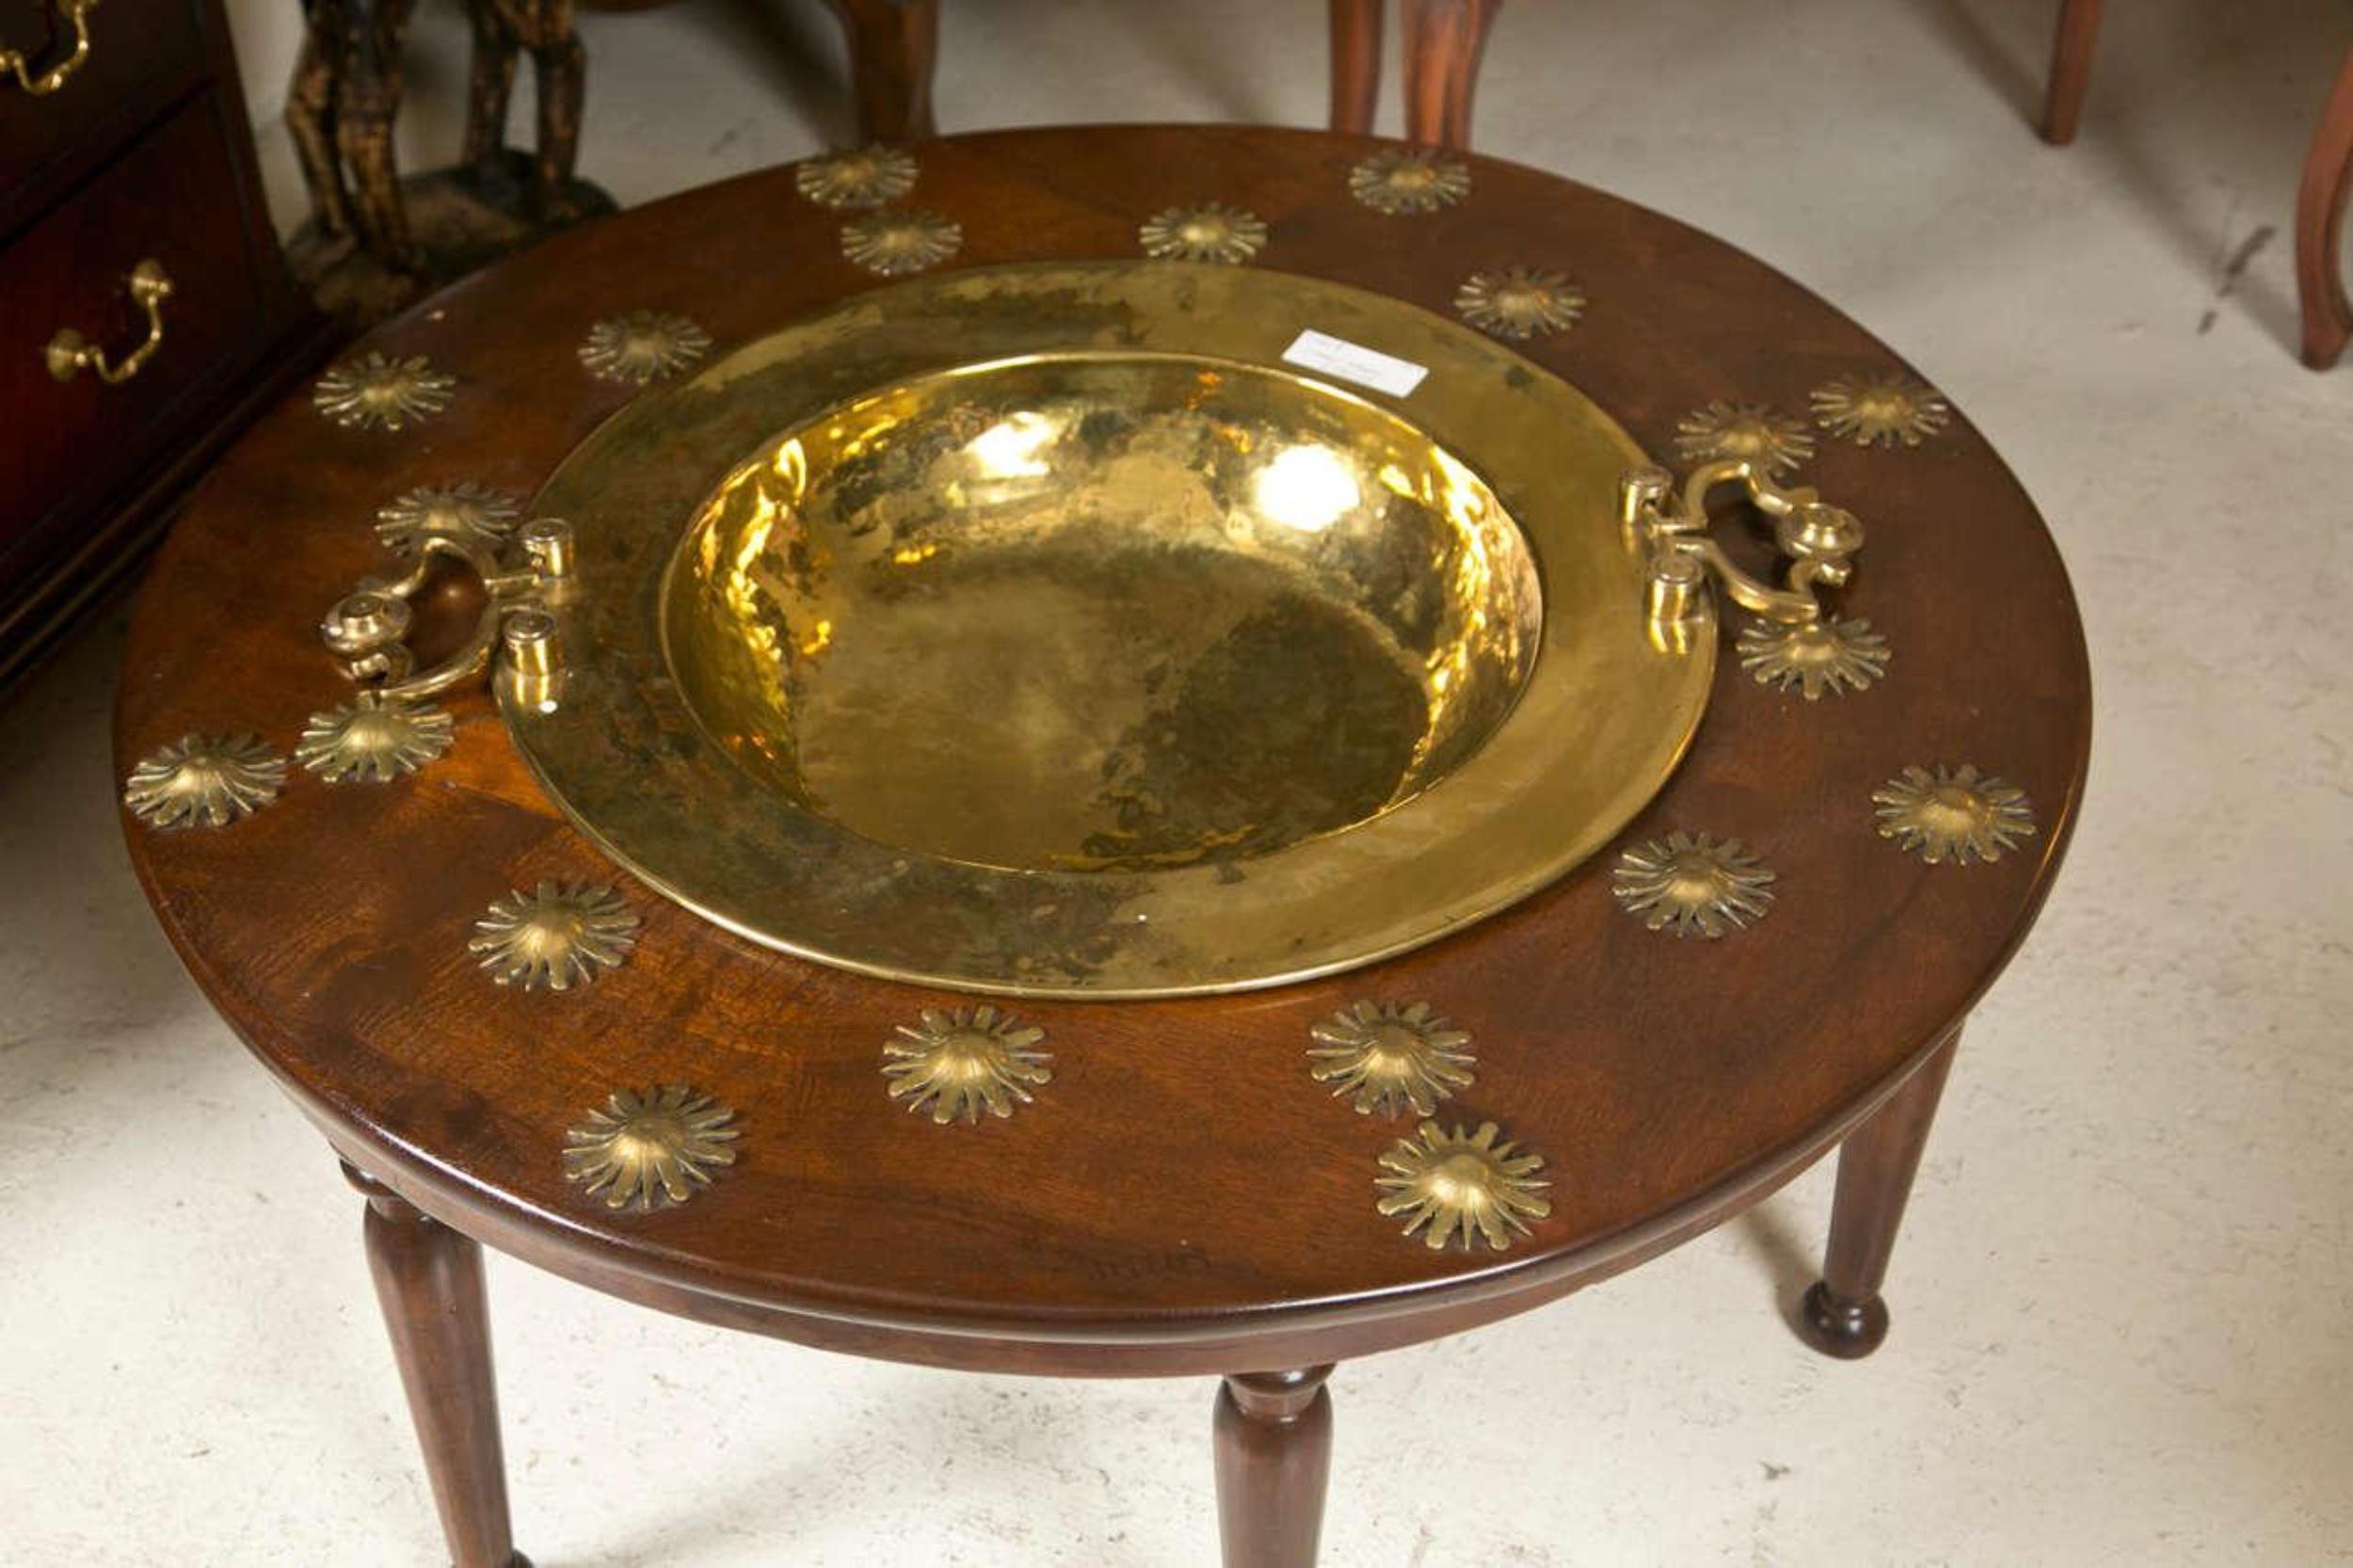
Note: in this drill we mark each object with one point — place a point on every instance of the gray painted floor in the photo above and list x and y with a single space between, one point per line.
2121 1313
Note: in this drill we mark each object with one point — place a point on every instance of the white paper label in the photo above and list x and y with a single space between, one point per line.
1354 362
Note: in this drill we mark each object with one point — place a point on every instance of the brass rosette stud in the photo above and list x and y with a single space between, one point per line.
204 781
557 935
1692 885
1952 816
1813 657
1212 231
650 1149
1519 302
899 242
1407 179
1773 440
1453 1186
374 741
1884 410
465 510
860 177
1386 1059
374 392
641 346
956 1064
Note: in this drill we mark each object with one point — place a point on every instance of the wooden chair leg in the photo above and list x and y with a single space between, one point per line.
1444 41
428 1279
1355 64
1274 1457
895 45
2320 226
2070 69
1842 1314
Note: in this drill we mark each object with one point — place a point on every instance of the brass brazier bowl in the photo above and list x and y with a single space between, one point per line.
1040 629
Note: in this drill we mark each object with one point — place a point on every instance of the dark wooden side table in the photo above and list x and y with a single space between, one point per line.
1183 1198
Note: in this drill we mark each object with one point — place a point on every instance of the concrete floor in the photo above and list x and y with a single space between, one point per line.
2121 1314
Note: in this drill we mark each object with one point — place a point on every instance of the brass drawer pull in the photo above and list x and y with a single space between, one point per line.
13 62
69 354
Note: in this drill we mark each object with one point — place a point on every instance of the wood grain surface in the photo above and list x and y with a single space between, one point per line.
1182 1197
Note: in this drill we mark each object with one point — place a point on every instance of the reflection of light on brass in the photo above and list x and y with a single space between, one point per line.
1307 488
913 554
815 642
1011 448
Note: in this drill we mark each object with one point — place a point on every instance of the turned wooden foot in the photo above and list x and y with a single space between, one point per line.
1273 1455
2070 69
1842 1314
428 1279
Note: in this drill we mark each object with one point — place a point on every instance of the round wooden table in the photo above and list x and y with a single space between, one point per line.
1183 1197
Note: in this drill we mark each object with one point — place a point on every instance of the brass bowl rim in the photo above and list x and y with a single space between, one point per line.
1599 724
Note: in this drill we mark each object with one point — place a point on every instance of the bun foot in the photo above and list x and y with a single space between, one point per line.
1847 1330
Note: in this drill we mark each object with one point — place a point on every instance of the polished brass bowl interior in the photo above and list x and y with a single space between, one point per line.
1039 629
1102 611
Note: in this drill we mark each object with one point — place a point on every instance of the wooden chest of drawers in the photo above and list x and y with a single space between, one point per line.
141 156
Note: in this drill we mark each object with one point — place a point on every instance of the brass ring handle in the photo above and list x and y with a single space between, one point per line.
12 61
368 630
69 353
1818 540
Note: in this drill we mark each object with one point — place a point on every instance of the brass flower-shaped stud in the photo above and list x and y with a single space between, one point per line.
465 510
860 177
650 1149
1409 180
640 345
1833 656
1389 1058
963 1062
1212 231
899 242
1775 443
1452 1185
374 741
1692 885
1880 410
1519 302
1953 815
204 781
373 392
564 934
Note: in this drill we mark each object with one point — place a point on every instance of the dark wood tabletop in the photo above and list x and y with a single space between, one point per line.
1182 1197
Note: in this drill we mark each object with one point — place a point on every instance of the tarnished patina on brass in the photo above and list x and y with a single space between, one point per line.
1813 657
204 781
956 1064
373 392
1951 816
1519 302
373 740
1775 442
638 347
1388 1058
859 177
1886 408
1467 1186
1032 630
1405 179
1212 231
900 241
650 1149
1694 884
557 935
1818 540
466 508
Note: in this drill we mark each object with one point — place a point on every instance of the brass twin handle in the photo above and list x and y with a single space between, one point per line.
1682 558
13 63
69 353
368 630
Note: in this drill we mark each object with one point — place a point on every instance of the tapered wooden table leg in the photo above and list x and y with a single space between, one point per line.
1842 1314
1273 1456
428 1279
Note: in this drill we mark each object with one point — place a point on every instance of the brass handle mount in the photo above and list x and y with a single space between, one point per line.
69 353
13 63
1671 528
367 630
